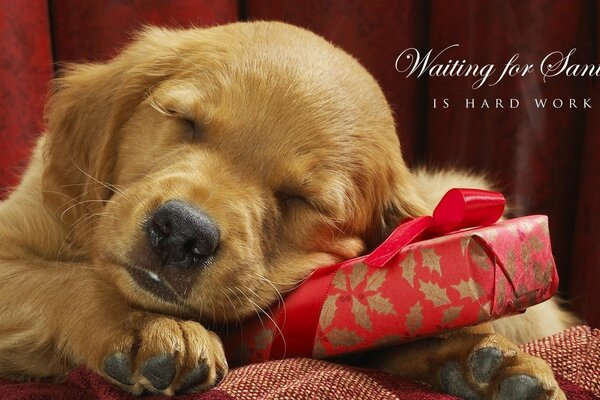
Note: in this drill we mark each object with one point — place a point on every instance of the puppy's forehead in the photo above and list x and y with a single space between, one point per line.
281 101
267 106
276 74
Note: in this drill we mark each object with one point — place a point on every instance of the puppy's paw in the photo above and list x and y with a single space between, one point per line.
159 354
496 369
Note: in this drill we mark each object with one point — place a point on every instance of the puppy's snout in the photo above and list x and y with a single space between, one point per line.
182 234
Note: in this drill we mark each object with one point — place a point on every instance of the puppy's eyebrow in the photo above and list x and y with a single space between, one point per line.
177 98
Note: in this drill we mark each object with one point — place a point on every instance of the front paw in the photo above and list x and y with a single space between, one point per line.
496 369
159 354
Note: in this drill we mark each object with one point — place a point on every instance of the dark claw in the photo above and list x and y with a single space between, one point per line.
454 383
159 370
521 387
194 378
484 363
117 367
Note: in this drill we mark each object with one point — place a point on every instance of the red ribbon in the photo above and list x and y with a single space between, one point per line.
458 209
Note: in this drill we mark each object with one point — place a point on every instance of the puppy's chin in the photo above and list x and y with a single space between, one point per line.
171 282
150 291
155 284
141 288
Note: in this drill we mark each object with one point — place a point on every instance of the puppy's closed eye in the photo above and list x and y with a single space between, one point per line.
184 115
287 200
190 128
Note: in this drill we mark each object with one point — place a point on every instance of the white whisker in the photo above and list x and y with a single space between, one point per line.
277 328
110 187
80 203
254 309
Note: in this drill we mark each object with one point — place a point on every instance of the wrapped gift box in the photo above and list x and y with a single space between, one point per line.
430 276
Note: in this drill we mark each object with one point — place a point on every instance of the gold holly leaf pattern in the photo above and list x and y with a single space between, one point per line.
500 291
450 314
318 350
375 281
343 337
469 289
263 339
414 319
431 260
361 291
549 270
531 298
532 244
525 254
542 273
328 311
511 263
380 304
434 293
357 275
408 268
359 311
339 280
479 256
535 244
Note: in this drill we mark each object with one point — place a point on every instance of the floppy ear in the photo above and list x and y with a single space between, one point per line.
84 115
400 199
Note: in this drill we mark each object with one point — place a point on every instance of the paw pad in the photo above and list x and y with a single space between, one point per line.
522 387
195 377
159 370
484 363
117 367
454 383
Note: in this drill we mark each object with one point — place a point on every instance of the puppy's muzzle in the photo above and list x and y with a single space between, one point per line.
182 234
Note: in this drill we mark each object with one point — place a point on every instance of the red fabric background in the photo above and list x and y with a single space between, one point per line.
96 30
545 161
25 70
573 355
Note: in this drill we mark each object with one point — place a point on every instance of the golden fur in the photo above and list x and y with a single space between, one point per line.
283 139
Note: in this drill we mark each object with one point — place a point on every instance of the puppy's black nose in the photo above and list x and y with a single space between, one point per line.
181 234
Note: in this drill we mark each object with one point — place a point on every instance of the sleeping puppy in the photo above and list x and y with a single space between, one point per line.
192 178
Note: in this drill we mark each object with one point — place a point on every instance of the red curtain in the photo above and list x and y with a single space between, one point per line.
585 267
546 160
96 30
25 70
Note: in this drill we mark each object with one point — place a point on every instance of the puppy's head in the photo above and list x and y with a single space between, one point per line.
206 170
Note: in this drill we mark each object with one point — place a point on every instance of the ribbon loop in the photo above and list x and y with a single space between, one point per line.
458 209
467 208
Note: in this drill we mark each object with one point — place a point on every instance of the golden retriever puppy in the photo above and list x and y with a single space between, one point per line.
187 181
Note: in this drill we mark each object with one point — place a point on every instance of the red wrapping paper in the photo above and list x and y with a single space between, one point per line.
433 274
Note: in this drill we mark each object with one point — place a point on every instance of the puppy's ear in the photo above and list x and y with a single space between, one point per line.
88 105
401 199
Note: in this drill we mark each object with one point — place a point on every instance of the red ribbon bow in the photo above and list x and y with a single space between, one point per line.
458 209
